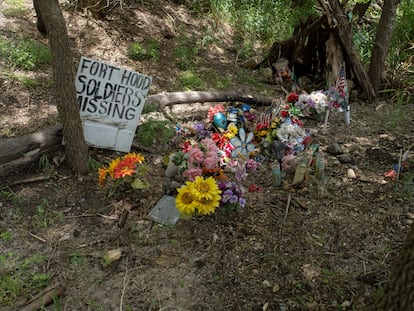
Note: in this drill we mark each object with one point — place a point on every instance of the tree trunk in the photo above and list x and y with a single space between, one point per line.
399 292
39 23
382 42
76 150
339 22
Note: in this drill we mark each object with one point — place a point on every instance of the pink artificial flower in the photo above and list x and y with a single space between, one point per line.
195 156
228 148
251 165
210 163
211 160
192 173
213 110
209 144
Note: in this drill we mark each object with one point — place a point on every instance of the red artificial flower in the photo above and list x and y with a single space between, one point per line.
307 140
292 97
219 139
262 126
284 113
186 146
254 188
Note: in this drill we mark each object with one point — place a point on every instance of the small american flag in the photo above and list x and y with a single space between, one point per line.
266 118
341 85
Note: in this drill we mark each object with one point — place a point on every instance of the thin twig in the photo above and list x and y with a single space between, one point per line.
287 207
124 285
38 237
29 180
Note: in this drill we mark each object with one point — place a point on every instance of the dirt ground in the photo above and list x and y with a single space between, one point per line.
288 249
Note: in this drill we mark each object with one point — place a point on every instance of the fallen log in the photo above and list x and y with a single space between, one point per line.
15 148
160 101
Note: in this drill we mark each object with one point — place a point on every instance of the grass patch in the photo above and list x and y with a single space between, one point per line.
190 80
24 53
20 276
22 79
14 8
186 54
45 217
155 132
142 51
396 115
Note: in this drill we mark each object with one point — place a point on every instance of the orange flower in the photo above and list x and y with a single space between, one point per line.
133 157
122 171
102 176
126 167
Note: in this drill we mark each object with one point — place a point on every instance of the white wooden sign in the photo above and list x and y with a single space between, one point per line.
110 101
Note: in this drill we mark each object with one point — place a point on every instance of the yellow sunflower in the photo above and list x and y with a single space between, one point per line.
112 166
185 200
205 188
208 206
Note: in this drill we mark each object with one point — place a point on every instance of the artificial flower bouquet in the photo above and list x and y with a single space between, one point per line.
126 170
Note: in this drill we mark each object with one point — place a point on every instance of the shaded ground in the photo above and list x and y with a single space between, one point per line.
320 253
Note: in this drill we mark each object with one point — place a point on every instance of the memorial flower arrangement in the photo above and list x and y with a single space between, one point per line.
215 161
124 170
201 196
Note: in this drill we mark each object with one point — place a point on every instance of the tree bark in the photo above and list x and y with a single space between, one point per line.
159 101
13 148
382 42
399 292
76 150
339 22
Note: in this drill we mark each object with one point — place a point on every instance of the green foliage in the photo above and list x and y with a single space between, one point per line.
400 55
14 8
24 53
5 236
93 164
363 38
78 261
219 82
186 54
155 132
44 163
142 51
8 195
190 80
261 20
397 115
20 276
45 216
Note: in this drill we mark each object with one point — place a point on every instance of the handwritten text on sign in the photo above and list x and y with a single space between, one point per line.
112 96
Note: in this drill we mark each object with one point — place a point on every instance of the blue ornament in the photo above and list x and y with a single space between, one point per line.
220 120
